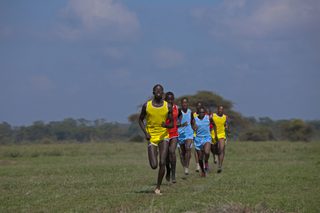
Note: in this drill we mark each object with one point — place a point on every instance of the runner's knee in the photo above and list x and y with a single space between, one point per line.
207 152
162 162
153 165
172 151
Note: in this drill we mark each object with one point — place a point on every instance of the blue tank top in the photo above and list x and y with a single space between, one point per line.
203 125
186 117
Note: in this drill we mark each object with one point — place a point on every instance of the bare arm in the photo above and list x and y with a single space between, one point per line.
227 126
193 123
179 124
169 117
214 128
142 116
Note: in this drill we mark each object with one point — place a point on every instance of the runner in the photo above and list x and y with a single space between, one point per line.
156 112
196 157
173 138
219 133
206 165
185 138
203 139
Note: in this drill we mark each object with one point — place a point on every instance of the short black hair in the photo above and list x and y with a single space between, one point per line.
199 102
157 85
169 93
202 107
184 98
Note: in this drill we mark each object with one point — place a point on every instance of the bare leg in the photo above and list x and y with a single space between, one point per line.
168 172
153 156
181 155
206 149
196 157
173 158
163 149
221 146
187 156
214 152
200 154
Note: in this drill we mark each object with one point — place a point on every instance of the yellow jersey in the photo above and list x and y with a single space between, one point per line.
220 122
195 115
156 116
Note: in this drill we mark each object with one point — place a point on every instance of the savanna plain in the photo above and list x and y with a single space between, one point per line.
116 177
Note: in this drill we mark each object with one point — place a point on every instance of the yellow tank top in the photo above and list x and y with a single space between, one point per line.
220 124
155 117
194 116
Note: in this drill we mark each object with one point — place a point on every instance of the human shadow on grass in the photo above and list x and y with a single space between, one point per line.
146 189
150 188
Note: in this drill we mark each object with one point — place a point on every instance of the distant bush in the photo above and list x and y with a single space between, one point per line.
296 130
257 134
137 138
14 154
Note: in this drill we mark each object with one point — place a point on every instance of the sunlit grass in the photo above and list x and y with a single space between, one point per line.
116 177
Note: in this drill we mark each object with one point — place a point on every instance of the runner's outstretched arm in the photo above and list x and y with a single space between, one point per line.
142 116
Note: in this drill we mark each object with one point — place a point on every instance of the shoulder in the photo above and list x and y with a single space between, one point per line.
145 105
169 106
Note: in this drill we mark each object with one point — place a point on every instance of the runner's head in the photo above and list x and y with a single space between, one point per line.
158 91
184 103
220 110
201 112
198 105
169 97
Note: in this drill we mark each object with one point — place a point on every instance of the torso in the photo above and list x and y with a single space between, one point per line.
203 125
173 132
156 115
220 122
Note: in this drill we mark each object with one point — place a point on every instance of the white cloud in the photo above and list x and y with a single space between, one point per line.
105 19
260 19
168 57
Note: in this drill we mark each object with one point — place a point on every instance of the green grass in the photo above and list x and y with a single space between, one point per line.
116 177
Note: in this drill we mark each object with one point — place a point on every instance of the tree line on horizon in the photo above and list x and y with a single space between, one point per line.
82 130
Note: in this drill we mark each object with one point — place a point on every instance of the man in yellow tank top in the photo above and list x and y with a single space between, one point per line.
155 112
218 134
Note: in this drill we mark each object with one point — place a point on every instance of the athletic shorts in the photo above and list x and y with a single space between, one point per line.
214 140
173 134
185 136
155 143
182 143
200 141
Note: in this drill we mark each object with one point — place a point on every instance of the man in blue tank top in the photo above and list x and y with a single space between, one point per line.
185 138
202 141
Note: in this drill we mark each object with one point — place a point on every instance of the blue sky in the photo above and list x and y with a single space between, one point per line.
100 58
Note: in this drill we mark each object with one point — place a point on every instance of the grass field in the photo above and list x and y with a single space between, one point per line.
116 177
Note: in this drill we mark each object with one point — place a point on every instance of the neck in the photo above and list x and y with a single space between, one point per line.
157 100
